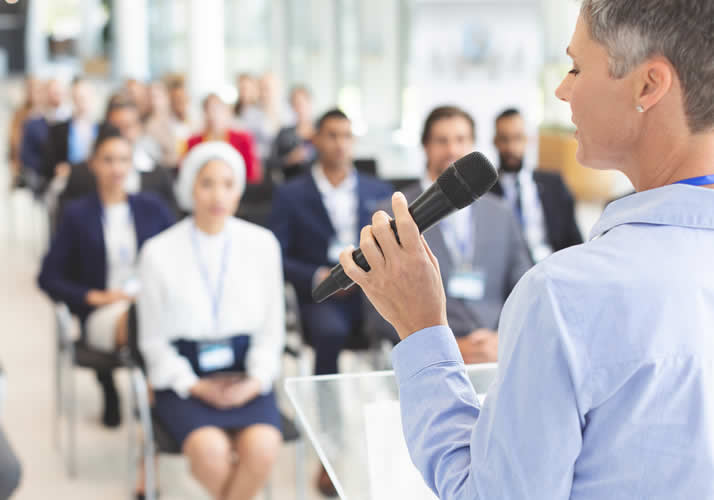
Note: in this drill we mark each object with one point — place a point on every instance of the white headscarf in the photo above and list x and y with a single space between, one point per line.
194 162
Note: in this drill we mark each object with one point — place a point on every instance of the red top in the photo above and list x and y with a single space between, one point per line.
244 144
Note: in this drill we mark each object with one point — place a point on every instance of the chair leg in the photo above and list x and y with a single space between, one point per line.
59 394
72 428
139 389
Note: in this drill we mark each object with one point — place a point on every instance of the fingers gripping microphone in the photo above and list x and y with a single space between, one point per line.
466 180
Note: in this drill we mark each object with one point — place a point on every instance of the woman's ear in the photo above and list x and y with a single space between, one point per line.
655 80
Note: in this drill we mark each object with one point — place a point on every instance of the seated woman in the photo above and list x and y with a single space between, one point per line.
91 263
218 127
211 328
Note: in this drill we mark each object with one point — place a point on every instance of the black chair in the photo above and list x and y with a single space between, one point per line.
256 202
400 183
366 166
156 438
71 354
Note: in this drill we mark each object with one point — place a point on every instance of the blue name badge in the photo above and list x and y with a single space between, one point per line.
467 285
213 356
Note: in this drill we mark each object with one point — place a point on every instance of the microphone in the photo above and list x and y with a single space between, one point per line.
466 180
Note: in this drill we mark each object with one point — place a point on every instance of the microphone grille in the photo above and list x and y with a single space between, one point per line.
467 179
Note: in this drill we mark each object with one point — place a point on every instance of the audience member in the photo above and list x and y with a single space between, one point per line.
315 216
480 249
211 328
540 199
69 142
90 265
218 128
30 108
248 94
180 103
256 110
139 93
146 175
35 132
161 126
293 151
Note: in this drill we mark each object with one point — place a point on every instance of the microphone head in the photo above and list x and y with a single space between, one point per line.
467 179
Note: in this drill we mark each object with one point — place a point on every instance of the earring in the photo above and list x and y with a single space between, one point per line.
640 109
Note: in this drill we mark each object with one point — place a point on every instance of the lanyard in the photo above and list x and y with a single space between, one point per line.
704 180
461 245
217 294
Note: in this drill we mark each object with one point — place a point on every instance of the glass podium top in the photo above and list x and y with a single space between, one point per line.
353 422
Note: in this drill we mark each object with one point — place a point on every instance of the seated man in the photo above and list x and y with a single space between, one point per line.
540 199
315 216
480 249
146 176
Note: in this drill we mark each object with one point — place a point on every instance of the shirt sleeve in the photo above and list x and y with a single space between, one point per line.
167 369
266 348
524 440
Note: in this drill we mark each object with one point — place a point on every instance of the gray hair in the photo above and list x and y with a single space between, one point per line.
633 31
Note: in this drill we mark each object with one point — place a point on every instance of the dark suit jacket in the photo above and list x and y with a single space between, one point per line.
158 181
34 140
558 208
76 261
301 224
57 148
500 252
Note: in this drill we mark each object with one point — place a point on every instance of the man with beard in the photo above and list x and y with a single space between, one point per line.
541 201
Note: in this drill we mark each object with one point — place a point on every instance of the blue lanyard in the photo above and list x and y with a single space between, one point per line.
704 180
217 294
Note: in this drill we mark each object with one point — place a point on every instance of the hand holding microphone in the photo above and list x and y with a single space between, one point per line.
394 265
404 282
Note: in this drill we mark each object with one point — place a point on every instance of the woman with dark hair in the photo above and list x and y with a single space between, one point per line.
91 263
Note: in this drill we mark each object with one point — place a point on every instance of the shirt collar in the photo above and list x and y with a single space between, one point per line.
325 186
674 205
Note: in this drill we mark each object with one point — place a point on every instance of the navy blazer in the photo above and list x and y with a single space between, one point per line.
300 222
77 263
34 140
558 209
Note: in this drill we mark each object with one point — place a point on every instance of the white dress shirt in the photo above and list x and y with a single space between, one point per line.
120 243
174 302
341 203
533 217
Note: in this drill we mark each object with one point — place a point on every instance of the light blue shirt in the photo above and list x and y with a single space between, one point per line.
605 384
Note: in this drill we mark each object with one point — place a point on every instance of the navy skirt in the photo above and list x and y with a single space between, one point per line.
181 416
